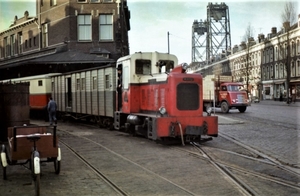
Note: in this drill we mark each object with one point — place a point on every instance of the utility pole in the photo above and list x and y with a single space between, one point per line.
168 43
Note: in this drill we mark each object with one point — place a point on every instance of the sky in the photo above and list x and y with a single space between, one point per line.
151 20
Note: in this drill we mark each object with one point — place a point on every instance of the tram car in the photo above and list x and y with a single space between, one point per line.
39 90
87 94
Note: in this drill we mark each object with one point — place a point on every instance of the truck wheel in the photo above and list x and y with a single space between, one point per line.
242 109
224 107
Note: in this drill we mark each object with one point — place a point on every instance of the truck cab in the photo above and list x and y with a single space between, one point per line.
231 95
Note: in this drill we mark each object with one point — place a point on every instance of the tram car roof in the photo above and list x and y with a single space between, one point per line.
28 78
89 69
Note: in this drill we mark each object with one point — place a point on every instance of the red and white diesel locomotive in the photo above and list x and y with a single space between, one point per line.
160 101
157 99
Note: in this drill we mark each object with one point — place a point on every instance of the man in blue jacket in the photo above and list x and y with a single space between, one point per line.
52 111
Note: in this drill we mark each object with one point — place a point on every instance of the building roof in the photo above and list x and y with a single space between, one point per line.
53 56
71 57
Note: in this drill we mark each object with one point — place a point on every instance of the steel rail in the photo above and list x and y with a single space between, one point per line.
95 170
128 160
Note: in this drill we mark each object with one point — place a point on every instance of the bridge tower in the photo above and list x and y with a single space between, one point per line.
211 39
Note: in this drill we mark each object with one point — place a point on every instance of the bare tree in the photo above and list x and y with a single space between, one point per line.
248 38
288 17
289 13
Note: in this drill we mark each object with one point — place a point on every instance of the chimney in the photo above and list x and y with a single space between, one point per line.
235 49
243 45
286 26
261 38
274 30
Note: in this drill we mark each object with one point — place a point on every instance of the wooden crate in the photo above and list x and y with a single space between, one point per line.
20 147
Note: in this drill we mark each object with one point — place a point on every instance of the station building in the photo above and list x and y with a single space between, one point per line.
65 35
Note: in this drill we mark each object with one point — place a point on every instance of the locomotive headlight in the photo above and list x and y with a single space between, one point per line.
208 110
162 110
184 66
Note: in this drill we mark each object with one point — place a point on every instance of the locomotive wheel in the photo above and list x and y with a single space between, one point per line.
224 107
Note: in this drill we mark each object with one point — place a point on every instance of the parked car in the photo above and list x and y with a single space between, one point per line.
255 99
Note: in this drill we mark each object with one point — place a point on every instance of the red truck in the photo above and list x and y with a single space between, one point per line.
223 92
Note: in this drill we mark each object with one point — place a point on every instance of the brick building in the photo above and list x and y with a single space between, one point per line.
65 35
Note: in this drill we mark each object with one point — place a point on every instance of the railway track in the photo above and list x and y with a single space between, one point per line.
231 171
98 172
119 188
137 166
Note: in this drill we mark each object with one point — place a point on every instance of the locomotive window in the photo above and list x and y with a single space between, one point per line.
107 81
94 83
78 84
165 65
143 67
40 83
83 84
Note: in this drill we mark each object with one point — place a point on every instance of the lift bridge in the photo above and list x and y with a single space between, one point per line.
211 37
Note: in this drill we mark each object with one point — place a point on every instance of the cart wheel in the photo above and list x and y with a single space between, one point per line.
3 171
35 171
3 162
57 162
56 166
37 179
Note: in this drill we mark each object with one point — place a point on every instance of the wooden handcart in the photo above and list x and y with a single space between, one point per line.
29 146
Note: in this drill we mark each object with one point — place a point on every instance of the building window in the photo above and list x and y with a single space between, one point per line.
280 53
5 47
12 45
298 68
95 1
40 83
29 42
81 1
293 49
84 28
106 1
52 2
26 43
45 35
34 41
106 27
293 70
20 42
